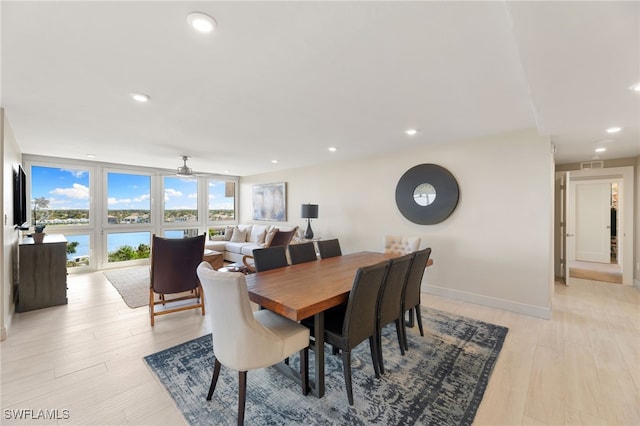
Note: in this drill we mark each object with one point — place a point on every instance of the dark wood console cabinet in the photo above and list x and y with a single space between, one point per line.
42 273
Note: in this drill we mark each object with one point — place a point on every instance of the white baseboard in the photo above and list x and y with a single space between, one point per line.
505 305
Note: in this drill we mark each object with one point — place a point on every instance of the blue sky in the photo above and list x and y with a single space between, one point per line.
64 188
69 189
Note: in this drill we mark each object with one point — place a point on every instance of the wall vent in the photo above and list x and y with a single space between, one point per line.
587 165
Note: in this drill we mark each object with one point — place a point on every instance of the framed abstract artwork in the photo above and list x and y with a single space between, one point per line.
270 201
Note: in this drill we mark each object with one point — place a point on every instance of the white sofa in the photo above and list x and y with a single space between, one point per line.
241 240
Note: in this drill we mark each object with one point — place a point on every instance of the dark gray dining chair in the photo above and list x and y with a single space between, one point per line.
270 258
304 252
329 248
411 300
390 302
346 326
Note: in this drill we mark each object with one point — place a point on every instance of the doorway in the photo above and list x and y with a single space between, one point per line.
594 225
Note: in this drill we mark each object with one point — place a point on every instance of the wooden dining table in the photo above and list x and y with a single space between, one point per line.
307 290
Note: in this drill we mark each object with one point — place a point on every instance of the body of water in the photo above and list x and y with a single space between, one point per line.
115 241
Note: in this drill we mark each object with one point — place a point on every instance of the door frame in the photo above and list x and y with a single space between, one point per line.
625 177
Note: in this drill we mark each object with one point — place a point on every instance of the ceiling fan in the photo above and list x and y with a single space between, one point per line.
184 170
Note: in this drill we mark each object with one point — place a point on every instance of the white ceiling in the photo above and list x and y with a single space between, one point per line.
286 80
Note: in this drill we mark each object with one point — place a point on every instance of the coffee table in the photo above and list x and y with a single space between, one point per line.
214 258
236 267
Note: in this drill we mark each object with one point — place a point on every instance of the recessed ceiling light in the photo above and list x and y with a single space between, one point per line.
274 161
91 155
411 132
635 87
614 129
601 149
333 149
201 22
140 97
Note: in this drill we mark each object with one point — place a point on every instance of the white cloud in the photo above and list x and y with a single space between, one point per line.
142 198
170 192
78 191
75 173
193 196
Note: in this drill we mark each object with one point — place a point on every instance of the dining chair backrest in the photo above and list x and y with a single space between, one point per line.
303 252
174 262
414 279
283 238
329 248
360 315
401 245
390 299
270 258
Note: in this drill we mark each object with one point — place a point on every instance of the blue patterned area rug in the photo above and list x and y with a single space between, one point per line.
440 381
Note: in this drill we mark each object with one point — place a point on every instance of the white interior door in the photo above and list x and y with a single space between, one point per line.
592 210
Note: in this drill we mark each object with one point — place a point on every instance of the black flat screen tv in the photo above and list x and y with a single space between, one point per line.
19 197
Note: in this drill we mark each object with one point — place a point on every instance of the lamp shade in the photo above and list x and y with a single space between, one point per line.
309 211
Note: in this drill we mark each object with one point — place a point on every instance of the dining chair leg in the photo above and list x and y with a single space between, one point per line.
410 323
151 306
374 346
379 359
346 366
201 297
400 336
419 319
304 370
214 379
242 397
404 334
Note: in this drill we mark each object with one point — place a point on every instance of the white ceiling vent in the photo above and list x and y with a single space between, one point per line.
587 165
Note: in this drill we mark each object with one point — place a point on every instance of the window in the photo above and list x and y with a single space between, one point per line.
110 220
78 250
128 198
181 233
123 246
180 200
222 200
59 196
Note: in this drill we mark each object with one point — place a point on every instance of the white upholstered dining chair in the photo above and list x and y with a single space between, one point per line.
245 340
400 245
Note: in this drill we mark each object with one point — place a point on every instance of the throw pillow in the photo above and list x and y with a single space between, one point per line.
228 232
269 237
258 232
239 236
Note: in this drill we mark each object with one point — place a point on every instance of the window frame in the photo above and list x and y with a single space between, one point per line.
98 227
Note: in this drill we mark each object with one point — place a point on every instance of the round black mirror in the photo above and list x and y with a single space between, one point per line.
427 194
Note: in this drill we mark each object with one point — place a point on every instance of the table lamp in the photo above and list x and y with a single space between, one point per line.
309 211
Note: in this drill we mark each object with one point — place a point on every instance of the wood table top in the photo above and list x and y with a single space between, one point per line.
301 291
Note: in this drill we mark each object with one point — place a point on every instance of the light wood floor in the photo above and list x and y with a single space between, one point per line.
608 272
580 367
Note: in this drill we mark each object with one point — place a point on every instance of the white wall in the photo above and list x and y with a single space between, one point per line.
496 247
10 160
